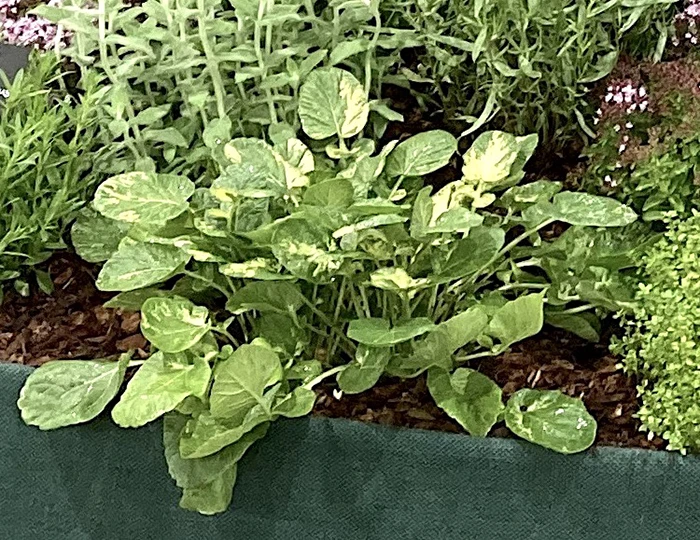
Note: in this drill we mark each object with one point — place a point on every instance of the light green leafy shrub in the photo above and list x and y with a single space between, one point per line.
300 263
660 347
181 75
49 143
525 66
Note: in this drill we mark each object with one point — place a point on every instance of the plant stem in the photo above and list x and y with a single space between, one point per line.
323 376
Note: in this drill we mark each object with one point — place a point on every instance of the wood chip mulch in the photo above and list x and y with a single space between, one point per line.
72 323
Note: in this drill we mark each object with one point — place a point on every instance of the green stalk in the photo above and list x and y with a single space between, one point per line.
212 64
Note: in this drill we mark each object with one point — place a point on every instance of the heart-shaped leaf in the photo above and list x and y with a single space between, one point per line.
254 170
379 332
95 237
241 380
332 102
550 419
364 372
421 154
518 319
468 396
173 324
136 265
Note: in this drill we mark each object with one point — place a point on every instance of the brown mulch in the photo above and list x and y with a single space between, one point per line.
553 360
71 323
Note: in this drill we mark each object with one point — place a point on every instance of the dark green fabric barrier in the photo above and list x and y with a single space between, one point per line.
328 479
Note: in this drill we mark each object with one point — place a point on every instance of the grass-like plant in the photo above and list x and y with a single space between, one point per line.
49 158
525 66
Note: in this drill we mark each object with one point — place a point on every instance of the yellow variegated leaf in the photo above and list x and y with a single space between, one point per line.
490 158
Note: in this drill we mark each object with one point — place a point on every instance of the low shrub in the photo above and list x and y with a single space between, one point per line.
49 157
647 153
660 347
526 66
331 259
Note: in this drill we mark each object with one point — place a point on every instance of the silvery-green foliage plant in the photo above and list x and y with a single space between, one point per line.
526 65
183 75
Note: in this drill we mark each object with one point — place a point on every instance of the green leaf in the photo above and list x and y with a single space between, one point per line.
461 329
421 154
518 319
337 192
379 333
173 324
585 327
258 268
207 482
241 379
470 254
332 102
95 237
143 198
136 265
519 197
255 170
393 279
66 392
301 247
456 220
299 403
207 434
364 372
133 300
589 210
550 419
468 396
277 297
159 385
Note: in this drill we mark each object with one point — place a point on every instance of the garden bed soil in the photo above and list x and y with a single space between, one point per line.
72 323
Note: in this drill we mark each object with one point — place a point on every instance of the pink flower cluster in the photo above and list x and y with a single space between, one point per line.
28 30
687 23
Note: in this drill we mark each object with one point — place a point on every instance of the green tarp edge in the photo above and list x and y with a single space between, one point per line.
334 479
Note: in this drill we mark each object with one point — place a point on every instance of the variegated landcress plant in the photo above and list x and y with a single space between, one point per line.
333 259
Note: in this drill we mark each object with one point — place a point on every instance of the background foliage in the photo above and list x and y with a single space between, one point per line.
660 345
49 157
526 66
183 74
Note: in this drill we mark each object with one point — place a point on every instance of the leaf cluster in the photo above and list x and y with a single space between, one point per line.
526 66
181 76
660 345
330 257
